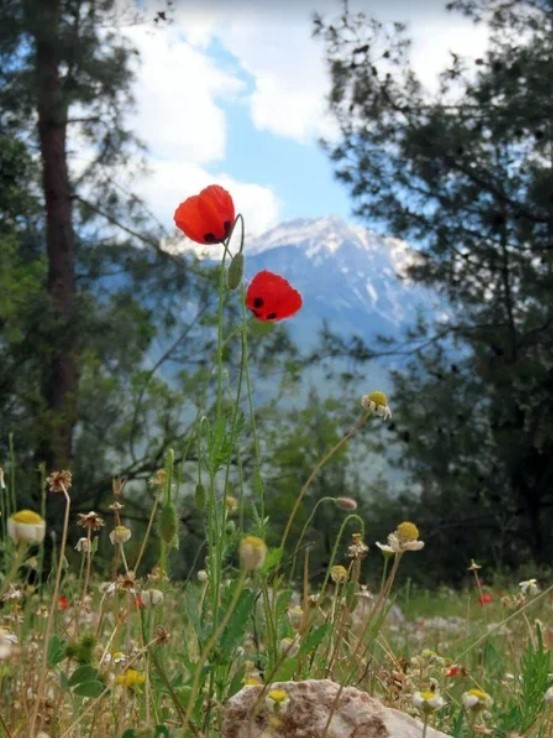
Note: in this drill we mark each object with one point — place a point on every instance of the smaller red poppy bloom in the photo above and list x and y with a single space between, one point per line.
207 217
485 598
63 602
271 297
456 671
138 601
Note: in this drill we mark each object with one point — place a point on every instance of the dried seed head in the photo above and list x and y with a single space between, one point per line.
59 481
91 520
118 485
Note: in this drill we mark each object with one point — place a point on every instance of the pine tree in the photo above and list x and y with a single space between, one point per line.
465 175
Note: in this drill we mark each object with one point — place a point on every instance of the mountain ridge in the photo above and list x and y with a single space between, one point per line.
351 278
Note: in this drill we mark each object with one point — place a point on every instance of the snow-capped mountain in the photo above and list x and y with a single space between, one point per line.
348 276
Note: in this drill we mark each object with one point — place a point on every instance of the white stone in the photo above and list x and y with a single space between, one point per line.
311 702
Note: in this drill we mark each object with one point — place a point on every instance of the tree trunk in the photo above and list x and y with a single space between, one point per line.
60 369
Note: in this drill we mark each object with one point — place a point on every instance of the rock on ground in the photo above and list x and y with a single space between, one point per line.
249 715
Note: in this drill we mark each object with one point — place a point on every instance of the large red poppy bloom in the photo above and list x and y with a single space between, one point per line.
271 297
207 217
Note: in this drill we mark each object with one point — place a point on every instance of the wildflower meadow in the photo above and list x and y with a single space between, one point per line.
100 638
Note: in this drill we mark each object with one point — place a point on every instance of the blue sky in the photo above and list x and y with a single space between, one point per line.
300 173
233 92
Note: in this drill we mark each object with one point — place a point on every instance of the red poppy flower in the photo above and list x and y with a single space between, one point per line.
207 217
63 602
271 297
456 671
485 598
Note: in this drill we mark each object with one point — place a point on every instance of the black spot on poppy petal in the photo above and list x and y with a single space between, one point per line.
209 238
258 302
271 316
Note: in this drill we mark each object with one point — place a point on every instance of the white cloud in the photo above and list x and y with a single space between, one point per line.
290 79
171 182
273 43
184 78
178 116
176 94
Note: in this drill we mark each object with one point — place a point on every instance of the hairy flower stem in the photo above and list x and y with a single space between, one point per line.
425 726
18 559
81 604
351 516
147 534
93 703
357 427
377 612
494 628
359 647
304 530
210 645
50 622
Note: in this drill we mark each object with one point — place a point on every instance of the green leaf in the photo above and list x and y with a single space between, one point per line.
286 670
56 650
161 731
83 674
258 328
314 639
64 681
200 496
274 555
238 623
89 689
258 482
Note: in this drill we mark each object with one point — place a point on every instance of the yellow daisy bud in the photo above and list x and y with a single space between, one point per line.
252 552
120 534
407 531
26 526
338 573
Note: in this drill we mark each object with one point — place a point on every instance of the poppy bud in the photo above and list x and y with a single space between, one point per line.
235 272
168 524
345 503
199 496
